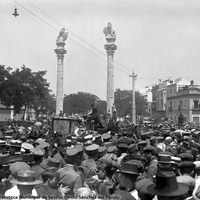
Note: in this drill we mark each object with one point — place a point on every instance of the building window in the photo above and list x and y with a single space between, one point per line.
180 103
196 104
174 90
196 119
170 91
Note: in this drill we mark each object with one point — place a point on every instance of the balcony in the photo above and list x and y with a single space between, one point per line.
196 107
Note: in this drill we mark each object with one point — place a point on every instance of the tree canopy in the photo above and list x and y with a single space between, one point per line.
81 103
123 103
22 88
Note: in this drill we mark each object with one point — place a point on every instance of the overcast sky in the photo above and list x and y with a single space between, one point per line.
158 38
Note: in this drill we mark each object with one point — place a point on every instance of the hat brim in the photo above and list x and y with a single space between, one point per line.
15 181
166 162
129 172
182 189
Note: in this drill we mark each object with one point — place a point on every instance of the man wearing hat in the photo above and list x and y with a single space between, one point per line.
151 161
128 177
92 152
38 154
69 175
15 149
61 150
164 162
4 173
186 170
166 187
24 185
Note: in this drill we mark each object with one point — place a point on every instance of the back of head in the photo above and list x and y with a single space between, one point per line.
84 191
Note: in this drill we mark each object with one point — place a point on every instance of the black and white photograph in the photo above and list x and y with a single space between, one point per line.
100 99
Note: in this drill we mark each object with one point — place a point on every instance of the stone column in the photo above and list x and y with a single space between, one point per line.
110 47
60 52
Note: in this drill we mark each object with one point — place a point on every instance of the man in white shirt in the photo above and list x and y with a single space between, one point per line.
24 186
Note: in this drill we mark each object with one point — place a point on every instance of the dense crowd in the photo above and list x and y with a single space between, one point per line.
141 162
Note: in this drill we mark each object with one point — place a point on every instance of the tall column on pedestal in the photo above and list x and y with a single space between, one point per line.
110 47
60 52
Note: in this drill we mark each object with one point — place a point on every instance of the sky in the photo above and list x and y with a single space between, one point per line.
157 38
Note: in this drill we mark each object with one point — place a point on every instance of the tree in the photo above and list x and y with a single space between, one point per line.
81 103
123 103
23 88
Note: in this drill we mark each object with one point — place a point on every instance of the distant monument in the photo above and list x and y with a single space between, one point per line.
110 47
60 52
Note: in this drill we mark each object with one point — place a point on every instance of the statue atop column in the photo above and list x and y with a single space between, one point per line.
109 32
62 36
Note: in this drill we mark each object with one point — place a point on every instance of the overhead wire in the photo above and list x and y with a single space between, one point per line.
121 67
77 44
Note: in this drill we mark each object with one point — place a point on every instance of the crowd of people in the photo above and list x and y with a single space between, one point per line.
141 162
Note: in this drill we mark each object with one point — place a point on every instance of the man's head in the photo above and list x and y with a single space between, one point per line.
129 174
51 178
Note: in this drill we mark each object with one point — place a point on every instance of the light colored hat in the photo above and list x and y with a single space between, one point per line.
88 137
26 178
38 151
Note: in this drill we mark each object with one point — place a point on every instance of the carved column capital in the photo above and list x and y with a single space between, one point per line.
110 48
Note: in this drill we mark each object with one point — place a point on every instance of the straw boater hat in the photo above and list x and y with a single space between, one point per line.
166 185
26 178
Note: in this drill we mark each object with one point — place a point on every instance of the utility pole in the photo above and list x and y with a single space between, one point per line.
133 76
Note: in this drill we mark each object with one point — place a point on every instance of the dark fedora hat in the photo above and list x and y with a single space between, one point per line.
26 178
129 168
166 185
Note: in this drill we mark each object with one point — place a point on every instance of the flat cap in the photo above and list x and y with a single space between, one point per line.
102 149
9 131
79 147
27 146
71 151
187 164
92 147
53 162
111 149
123 145
106 136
